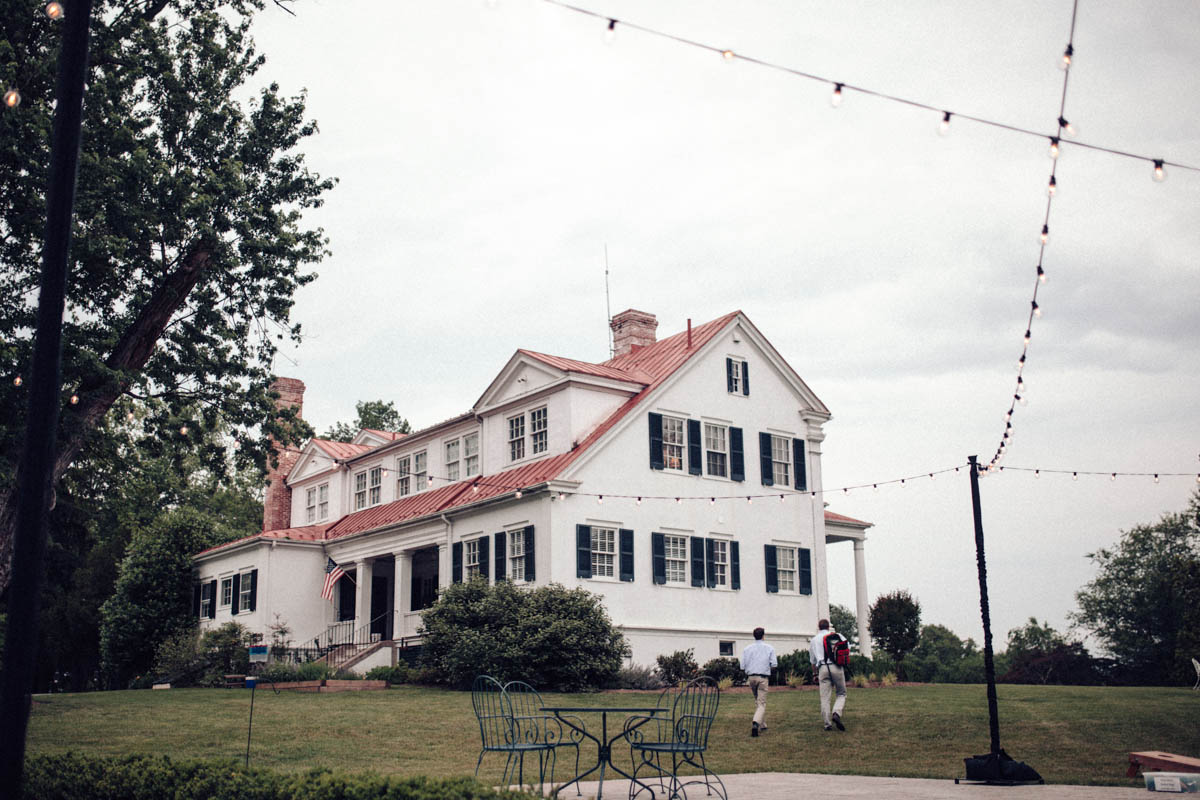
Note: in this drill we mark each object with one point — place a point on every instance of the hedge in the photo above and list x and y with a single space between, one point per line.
76 777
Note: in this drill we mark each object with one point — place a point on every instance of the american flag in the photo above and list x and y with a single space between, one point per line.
333 573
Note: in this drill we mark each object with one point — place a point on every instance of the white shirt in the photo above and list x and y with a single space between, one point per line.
758 658
816 648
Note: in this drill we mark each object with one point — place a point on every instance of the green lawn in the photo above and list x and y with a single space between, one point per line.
1069 734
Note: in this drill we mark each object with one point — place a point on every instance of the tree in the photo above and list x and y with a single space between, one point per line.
895 624
843 621
941 657
1144 603
374 414
188 243
554 638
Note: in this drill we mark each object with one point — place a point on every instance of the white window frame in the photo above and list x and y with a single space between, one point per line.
516 437
735 382
791 572
206 603
539 427
244 588
375 485
724 648
360 490
470 454
322 502
222 584
674 437
310 505
720 562
453 452
604 552
403 476
675 551
470 559
516 555
781 460
420 471
716 450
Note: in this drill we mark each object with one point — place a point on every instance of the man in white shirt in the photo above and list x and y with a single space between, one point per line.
758 659
831 677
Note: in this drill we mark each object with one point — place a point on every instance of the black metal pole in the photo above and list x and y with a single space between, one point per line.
35 470
989 664
250 726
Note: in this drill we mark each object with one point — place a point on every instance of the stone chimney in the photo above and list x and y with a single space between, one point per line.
277 502
632 329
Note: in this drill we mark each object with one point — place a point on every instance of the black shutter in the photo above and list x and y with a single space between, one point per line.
583 550
772 568
658 557
530 559
501 546
735 567
745 378
253 589
695 448
805 571
456 562
212 604
737 460
764 459
483 556
196 600
710 563
729 374
656 445
697 561
800 466
626 551
237 590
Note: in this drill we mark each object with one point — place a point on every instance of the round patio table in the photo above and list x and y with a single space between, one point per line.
603 743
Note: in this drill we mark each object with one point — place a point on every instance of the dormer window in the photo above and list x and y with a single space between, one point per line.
374 490
360 490
516 437
737 376
316 506
410 474
538 430
471 454
452 464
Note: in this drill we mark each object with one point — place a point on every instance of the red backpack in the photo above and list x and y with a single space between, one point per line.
837 649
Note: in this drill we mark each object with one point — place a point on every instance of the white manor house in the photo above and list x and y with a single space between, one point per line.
680 481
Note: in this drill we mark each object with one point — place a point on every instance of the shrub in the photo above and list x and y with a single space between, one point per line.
888 680
725 683
795 664
279 673
636 676
551 637
156 777
678 667
796 681
394 675
313 671
226 651
721 668
860 681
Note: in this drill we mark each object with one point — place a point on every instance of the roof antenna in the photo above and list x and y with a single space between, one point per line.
608 304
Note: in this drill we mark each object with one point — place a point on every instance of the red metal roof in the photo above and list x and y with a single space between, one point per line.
391 436
307 533
586 368
832 517
341 449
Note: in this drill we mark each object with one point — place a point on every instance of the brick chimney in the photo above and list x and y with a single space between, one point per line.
277 502
632 329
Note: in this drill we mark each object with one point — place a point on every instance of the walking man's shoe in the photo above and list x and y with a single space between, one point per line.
762 728
837 720
754 729
828 727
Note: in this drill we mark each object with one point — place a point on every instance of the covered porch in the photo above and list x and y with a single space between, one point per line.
840 528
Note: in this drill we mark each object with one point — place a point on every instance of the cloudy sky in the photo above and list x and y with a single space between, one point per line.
489 154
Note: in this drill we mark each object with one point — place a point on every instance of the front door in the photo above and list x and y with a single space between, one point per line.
424 578
381 620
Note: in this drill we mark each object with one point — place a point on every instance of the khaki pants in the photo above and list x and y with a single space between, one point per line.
758 687
833 679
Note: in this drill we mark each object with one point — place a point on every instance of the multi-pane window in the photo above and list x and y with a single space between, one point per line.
716 450
785 559
323 502
538 441
725 648
420 471
245 587
673 442
452 465
471 559
403 476
604 550
720 559
675 549
360 490
735 376
516 556
471 454
226 592
781 460
206 599
310 504
516 437
375 494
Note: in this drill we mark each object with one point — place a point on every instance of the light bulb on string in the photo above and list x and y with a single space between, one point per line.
599 499
712 501
677 501
1045 235
944 125
1074 476
1156 477
475 488
749 500
129 415
1054 147
562 495
639 501
1041 274
518 495
1020 365
902 483
1053 187
1113 477
1008 415
1023 400
54 10
1160 173
611 32
875 486
74 399
728 55
836 99
1028 335
1065 61
931 477
1037 473
781 498
183 430
17 381
1067 127
1037 310
12 98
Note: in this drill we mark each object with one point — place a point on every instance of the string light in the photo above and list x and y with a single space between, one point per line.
1074 476
1114 477
599 499
1041 275
728 55
54 10
1054 147
639 501
1037 310
781 498
1156 477
12 98
1067 127
1065 61
749 500
1045 237
1053 187
74 399
944 125
518 494
475 488
611 33
836 99
562 495
1160 173
1028 335
17 381
129 415
183 430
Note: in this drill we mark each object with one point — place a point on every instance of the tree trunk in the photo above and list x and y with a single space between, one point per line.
96 397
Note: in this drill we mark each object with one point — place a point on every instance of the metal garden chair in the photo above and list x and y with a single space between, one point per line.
533 725
657 728
500 732
1196 664
685 740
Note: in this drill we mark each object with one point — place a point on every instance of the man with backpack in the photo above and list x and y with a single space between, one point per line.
829 653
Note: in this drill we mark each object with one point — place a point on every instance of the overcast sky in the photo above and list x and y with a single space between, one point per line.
488 153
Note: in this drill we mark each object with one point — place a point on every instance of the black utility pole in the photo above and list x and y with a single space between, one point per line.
989 664
36 468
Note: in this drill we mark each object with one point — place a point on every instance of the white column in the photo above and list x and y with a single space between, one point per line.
860 591
362 594
443 565
402 592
